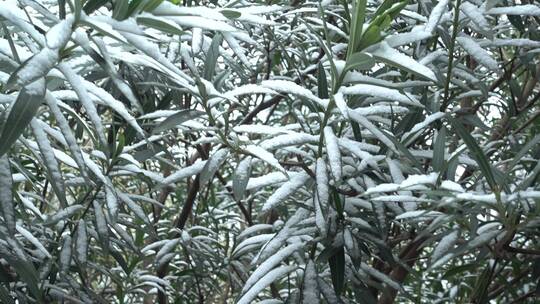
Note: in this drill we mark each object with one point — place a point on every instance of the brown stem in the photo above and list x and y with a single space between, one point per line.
408 255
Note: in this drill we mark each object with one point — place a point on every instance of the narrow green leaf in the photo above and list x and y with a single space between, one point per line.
93 5
121 8
337 270
151 5
53 168
211 57
231 14
6 194
5 297
438 150
77 10
20 113
241 178
360 61
322 83
356 26
161 24
477 153
212 165
28 274
177 119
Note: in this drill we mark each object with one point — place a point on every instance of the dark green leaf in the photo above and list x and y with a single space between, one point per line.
360 61
93 5
337 270
438 150
477 153
161 24
322 83
211 57
20 113
231 14
176 119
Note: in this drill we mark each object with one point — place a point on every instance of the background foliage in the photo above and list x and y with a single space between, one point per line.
272 151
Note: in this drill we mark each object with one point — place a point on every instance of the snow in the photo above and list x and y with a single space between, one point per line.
321 200
400 198
341 104
265 156
49 157
253 229
153 52
212 165
483 238
386 53
334 155
289 140
413 180
485 198
381 92
154 245
241 177
388 187
310 287
63 214
195 168
353 148
112 202
260 129
203 23
281 237
430 57
237 49
345 142
59 34
134 207
287 189
268 179
525 10
169 9
322 182
266 280
373 129
475 14
290 87
418 213
101 223
254 240
82 241
421 125
444 245
489 226
78 86
270 264
435 16
478 53
416 34
169 246
250 89
380 276
518 42
32 239
452 186
114 104
260 9
65 254
37 66
196 40
360 222
29 205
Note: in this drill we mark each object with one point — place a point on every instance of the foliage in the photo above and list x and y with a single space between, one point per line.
273 151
